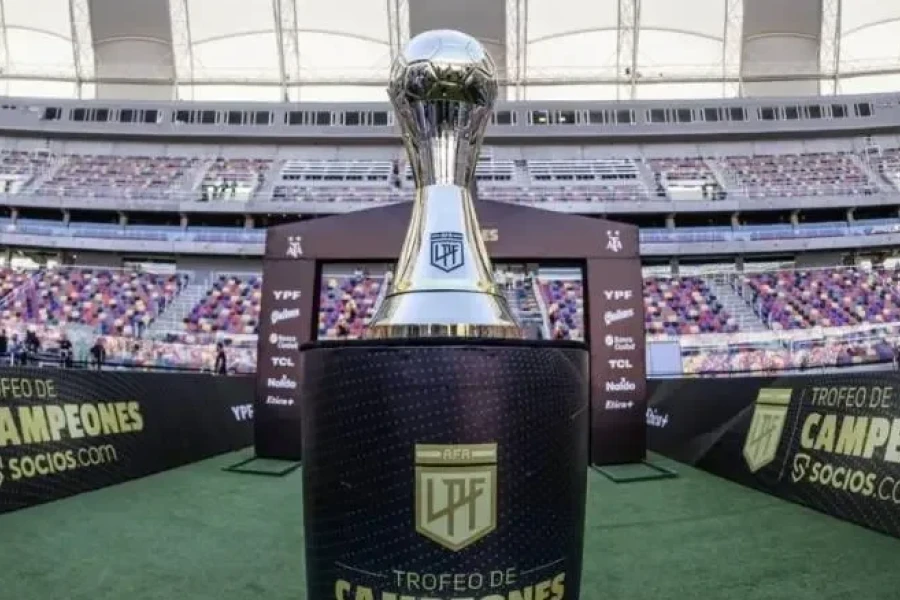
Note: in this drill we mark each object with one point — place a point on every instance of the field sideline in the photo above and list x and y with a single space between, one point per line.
199 533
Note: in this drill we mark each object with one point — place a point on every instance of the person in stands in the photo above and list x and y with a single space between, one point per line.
221 367
4 343
98 354
32 346
66 359
16 351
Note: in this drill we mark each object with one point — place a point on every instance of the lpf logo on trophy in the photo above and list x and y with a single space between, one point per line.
443 87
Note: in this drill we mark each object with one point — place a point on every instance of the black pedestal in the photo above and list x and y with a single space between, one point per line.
444 469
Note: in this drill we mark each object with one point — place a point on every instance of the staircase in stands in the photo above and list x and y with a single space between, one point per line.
172 318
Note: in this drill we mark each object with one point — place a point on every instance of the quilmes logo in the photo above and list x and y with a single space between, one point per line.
613 241
285 314
286 294
242 412
447 251
281 384
279 401
617 294
620 343
623 385
294 246
619 363
456 493
284 342
614 316
282 361
764 435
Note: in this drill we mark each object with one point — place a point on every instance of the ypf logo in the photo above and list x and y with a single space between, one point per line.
456 493
286 294
617 294
764 435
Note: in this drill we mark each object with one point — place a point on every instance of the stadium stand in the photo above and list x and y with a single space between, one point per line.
120 176
230 306
346 303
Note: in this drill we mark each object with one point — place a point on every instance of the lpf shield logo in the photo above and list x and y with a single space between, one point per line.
456 493
447 251
766 427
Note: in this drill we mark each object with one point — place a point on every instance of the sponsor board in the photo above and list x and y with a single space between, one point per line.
67 432
284 314
619 404
831 443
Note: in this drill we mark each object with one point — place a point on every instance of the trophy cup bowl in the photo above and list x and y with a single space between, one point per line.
443 87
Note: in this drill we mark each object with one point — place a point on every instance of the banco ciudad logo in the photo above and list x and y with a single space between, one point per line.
456 493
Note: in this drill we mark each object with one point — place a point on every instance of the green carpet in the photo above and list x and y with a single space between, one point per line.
200 533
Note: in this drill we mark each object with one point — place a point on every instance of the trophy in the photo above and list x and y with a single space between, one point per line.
443 87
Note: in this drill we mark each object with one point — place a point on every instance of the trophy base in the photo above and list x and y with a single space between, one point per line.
444 314
461 457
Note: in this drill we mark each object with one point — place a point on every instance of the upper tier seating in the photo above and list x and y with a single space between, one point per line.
346 304
119 176
688 178
565 308
115 302
234 178
231 306
786 175
825 297
683 305
18 168
334 179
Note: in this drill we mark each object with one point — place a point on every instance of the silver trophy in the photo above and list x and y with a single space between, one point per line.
443 87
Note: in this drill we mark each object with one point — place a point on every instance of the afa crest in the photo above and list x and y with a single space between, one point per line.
456 493
766 427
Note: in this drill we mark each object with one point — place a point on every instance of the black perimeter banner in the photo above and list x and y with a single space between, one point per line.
445 471
66 432
831 443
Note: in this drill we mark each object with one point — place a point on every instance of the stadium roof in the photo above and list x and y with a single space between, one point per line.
336 50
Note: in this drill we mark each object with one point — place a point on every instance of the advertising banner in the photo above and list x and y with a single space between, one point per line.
65 432
618 370
445 472
285 323
831 443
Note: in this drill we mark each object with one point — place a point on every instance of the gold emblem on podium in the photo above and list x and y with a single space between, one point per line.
456 493
764 434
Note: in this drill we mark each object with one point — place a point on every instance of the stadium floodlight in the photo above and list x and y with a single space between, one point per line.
443 87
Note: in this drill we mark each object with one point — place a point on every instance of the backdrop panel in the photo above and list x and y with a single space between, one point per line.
513 233
67 432
831 443
618 379
287 313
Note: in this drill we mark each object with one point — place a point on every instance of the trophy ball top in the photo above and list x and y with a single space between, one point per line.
444 65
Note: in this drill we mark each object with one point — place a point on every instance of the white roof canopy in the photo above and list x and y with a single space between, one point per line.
340 50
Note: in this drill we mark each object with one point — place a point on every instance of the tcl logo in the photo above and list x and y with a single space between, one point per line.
282 361
286 294
617 294
619 363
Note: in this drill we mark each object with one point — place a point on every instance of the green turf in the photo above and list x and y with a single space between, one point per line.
202 533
